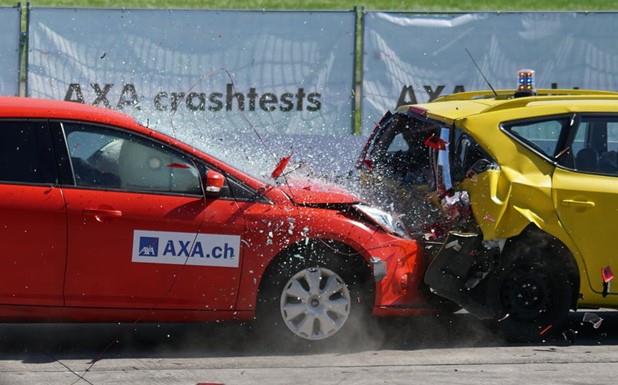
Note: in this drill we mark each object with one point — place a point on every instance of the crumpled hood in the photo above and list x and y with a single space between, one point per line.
310 192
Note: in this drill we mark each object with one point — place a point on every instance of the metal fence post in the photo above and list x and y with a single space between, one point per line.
20 50
357 76
24 46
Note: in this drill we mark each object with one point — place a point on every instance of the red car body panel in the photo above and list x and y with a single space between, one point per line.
93 277
80 267
32 271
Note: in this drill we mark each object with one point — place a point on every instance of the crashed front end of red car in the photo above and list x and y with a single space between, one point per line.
395 259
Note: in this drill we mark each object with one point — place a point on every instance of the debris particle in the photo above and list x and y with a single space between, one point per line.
569 336
546 329
453 245
594 319
507 315
435 142
291 226
489 218
283 163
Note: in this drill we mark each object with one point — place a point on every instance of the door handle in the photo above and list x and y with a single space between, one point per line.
573 202
100 214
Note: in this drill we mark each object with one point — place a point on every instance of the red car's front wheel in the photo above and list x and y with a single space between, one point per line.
314 298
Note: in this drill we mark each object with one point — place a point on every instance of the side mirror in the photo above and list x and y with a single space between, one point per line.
213 183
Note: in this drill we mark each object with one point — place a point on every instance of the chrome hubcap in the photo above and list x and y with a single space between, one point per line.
315 303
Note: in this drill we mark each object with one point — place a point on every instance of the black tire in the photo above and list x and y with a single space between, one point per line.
532 293
270 323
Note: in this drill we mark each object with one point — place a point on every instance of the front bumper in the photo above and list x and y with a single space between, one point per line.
398 270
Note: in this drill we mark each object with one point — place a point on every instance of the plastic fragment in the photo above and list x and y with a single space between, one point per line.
594 319
546 329
456 205
283 163
454 245
435 142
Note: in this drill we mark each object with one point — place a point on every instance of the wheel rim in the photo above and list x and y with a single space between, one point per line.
526 294
315 303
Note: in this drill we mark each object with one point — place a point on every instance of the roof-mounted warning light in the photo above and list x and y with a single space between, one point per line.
525 83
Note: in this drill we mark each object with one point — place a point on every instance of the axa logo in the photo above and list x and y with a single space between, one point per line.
178 248
148 246
186 248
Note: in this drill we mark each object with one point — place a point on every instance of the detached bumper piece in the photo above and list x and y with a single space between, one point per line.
397 270
459 270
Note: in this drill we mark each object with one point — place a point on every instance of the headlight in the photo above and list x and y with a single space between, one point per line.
383 219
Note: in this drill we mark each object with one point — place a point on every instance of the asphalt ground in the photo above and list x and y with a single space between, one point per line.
453 350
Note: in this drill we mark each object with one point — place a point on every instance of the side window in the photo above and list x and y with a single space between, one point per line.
542 135
579 140
612 135
595 145
26 154
112 159
398 144
468 155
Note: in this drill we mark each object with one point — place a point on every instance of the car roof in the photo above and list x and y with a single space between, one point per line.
458 106
20 107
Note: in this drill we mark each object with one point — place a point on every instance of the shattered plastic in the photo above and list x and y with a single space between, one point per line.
593 319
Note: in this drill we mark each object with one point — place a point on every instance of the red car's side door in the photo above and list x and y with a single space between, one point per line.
140 233
32 217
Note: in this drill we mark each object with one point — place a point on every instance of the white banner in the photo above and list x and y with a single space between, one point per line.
9 51
204 76
412 58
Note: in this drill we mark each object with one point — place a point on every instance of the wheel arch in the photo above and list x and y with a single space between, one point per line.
564 257
317 245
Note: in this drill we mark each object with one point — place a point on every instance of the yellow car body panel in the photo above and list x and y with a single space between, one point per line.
581 210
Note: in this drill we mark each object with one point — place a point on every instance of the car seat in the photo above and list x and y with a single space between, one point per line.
608 162
586 160
145 168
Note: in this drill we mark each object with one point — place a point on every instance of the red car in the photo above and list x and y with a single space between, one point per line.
102 219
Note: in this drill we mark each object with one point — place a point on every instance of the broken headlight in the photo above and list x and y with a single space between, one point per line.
383 219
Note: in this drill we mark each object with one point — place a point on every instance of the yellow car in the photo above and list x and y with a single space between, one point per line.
515 195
